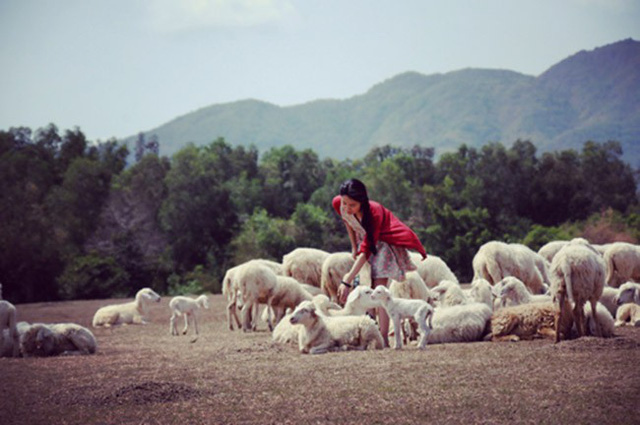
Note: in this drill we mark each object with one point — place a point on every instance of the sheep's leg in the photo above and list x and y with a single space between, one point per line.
232 313
172 325
578 317
398 331
246 316
559 316
598 329
195 323
421 318
186 323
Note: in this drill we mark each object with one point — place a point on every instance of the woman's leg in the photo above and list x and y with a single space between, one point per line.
383 317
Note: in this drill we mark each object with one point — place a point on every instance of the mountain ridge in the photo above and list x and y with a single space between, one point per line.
590 95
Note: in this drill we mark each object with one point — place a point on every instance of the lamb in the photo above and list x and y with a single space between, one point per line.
184 306
321 334
528 321
513 292
449 294
623 263
628 313
39 339
496 260
604 319
358 302
305 265
230 288
413 287
9 342
460 323
481 292
577 275
286 294
432 269
286 332
399 308
609 299
133 312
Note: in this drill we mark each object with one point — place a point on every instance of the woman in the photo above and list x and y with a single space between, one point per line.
376 236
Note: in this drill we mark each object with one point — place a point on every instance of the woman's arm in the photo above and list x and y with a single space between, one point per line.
352 238
343 290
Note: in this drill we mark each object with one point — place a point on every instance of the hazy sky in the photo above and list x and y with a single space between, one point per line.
117 67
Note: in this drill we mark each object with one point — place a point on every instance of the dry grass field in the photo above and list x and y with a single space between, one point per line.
143 375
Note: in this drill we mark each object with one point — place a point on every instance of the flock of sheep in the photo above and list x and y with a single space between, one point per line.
566 289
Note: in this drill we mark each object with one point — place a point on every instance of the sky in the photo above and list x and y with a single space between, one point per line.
114 68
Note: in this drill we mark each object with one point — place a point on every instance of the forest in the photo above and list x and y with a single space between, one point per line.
89 220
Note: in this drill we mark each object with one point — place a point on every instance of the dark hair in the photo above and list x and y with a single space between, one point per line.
357 191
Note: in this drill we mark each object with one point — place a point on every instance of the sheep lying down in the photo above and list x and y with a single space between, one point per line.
322 334
40 339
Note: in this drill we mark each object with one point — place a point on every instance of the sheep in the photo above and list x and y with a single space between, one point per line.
413 287
286 332
449 294
357 304
460 323
481 292
496 260
628 293
320 334
399 308
550 249
230 288
577 275
133 312
255 283
623 263
628 313
432 269
286 294
528 321
334 267
605 320
609 299
9 342
304 265
40 339
514 292
184 306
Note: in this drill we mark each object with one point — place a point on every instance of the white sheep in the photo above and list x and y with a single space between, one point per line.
9 342
255 283
133 312
496 260
609 299
628 313
413 287
40 339
605 320
550 249
528 321
286 294
305 265
399 308
286 332
449 293
320 334
460 323
230 288
514 292
357 304
623 263
432 269
628 292
481 292
334 267
577 276
185 306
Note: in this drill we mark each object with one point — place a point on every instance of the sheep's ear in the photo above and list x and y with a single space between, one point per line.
636 295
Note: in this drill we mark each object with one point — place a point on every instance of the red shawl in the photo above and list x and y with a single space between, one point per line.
387 228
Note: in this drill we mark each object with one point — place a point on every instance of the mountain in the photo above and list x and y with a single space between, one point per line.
591 95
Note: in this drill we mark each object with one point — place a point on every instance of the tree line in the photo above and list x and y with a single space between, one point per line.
78 221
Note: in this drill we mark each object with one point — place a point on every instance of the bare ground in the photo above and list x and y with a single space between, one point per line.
143 375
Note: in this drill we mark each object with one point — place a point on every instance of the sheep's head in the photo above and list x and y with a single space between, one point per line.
361 295
304 313
629 293
381 295
148 294
38 340
203 301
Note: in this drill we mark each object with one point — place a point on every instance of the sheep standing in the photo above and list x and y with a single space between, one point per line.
286 294
334 267
305 265
577 276
413 287
184 306
550 249
39 339
623 263
255 282
9 342
496 260
133 312
432 269
399 308
321 334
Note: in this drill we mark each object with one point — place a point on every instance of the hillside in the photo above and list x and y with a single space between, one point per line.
592 95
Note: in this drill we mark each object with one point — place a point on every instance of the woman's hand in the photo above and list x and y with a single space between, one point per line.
343 293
